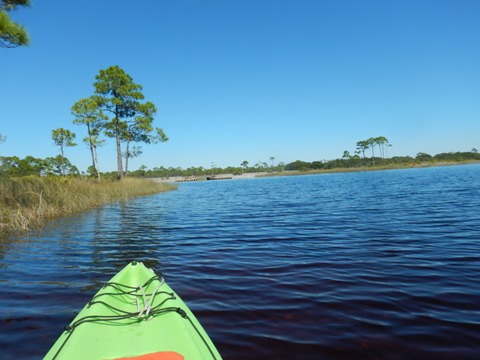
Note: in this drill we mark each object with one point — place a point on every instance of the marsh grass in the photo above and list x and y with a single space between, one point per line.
26 203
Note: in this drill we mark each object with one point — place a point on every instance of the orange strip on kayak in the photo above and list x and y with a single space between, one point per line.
162 355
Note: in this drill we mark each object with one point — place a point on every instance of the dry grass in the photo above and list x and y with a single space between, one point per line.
26 203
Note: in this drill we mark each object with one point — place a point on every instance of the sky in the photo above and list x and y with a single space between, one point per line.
237 80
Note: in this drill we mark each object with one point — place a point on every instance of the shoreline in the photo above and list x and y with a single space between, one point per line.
29 203
226 176
256 175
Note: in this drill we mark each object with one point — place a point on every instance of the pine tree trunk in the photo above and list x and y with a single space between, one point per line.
127 155
119 148
93 151
95 163
119 158
63 161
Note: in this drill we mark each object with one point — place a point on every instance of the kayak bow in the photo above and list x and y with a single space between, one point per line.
136 315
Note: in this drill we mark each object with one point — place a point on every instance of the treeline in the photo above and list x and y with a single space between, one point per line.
302 166
13 166
356 162
378 147
372 152
163 172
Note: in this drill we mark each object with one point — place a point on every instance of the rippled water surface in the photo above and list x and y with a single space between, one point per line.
372 265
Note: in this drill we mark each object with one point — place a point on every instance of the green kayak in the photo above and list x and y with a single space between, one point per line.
136 315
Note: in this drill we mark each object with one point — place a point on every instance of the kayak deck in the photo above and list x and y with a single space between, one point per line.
135 314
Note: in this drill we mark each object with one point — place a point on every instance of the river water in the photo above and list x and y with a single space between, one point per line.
370 265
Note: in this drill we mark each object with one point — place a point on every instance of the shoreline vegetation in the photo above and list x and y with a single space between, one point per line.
374 168
252 175
29 202
347 163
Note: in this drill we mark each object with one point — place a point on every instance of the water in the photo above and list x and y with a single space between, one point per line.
373 265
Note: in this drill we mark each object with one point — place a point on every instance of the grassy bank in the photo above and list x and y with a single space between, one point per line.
26 203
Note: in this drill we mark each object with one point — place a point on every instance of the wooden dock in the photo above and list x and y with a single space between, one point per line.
219 177
188 179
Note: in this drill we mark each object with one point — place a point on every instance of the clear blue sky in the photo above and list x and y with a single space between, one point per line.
239 80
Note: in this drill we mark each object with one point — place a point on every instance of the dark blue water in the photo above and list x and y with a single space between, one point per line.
373 265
